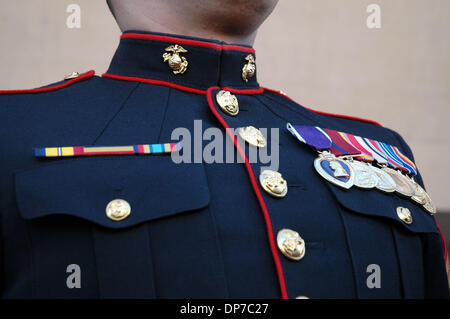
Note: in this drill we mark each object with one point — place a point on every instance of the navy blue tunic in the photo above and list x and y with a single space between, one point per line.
196 230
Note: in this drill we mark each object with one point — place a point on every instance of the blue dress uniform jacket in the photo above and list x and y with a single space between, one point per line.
195 230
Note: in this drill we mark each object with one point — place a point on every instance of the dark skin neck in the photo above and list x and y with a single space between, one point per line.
232 21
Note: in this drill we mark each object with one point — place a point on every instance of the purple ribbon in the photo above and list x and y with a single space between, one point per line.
311 135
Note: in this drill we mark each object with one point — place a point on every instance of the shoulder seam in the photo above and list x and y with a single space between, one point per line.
325 113
83 76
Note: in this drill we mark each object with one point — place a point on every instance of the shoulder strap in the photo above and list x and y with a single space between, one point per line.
59 85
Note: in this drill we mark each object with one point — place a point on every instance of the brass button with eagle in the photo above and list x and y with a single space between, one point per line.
118 209
291 244
228 102
252 136
405 215
273 183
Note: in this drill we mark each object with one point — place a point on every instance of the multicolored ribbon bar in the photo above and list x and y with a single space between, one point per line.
106 150
345 144
340 146
365 155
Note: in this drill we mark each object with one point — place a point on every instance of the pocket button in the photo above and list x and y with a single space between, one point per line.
118 209
404 214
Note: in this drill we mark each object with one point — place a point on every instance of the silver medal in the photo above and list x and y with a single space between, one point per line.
386 183
365 177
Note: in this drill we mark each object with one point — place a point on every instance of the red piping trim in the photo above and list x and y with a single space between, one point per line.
244 91
178 86
328 114
82 77
230 47
257 191
198 43
444 242
152 81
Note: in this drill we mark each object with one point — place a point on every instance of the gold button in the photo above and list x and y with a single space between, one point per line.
252 136
227 102
404 214
118 209
248 70
177 63
291 244
301 297
71 75
273 183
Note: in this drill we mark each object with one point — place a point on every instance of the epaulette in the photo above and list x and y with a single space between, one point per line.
325 113
68 80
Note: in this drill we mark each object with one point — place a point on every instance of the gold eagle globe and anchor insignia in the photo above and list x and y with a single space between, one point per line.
176 62
248 70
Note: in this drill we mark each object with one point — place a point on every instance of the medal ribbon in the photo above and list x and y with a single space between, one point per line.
377 156
339 145
311 135
392 153
366 155
405 160
342 144
378 149
69 151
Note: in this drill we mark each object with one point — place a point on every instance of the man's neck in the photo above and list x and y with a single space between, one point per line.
193 31
204 19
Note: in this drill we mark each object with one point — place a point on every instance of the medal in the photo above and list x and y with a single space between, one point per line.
385 182
421 197
429 206
345 160
330 167
334 170
365 177
403 185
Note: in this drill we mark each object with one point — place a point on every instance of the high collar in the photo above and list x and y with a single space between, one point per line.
209 62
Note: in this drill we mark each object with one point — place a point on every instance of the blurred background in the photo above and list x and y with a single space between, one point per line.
320 52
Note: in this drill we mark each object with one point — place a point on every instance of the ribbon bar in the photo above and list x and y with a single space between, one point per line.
67 151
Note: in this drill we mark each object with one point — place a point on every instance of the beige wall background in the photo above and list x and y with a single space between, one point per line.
320 52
